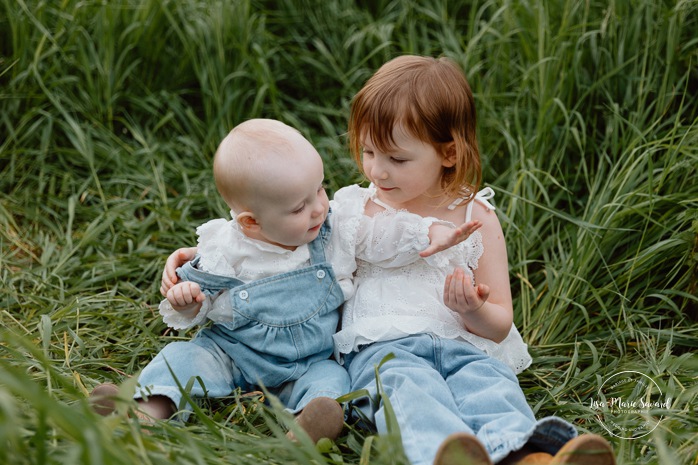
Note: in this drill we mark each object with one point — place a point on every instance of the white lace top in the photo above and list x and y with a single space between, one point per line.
393 301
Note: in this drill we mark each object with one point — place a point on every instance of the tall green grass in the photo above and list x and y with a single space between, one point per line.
110 113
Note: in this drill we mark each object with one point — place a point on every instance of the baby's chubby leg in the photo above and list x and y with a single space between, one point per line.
312 398
104 397
162 380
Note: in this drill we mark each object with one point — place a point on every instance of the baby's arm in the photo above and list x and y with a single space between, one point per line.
485 306
186 298
176 259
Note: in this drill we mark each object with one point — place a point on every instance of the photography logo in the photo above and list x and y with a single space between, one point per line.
627 404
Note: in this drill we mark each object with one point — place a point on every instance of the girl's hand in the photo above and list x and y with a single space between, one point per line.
186 297
461 296
169 275
442 237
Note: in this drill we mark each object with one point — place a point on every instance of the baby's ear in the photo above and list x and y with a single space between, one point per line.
247 221
449 155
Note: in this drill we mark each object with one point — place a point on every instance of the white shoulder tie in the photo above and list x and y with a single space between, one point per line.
483 196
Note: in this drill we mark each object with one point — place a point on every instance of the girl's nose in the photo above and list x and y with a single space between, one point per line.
377 172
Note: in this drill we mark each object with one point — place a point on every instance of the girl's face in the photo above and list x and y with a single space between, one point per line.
409 176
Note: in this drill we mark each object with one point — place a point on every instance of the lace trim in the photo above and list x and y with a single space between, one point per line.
176 320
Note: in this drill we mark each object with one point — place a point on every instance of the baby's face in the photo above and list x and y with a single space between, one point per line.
294 204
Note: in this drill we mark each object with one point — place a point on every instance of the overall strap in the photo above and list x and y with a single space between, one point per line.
190 272
317 246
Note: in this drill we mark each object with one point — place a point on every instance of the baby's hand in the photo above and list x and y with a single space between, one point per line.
176 259
461 296
186 297
441 237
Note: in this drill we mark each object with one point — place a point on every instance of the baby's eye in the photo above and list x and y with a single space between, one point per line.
300 210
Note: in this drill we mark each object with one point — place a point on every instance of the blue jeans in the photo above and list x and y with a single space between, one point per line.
439 386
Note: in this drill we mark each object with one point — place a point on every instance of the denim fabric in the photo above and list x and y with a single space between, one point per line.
280 338
440 386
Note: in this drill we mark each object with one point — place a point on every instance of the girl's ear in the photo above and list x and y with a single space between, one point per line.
248 222
449 155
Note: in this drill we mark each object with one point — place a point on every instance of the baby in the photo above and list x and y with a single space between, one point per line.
266 282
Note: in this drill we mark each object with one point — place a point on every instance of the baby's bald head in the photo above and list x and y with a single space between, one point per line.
253 160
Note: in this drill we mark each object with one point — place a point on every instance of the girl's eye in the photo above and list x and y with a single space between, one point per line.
368 153
397 160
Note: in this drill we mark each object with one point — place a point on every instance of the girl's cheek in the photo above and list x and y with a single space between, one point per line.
367 169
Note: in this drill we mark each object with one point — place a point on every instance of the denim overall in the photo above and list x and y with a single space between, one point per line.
280 337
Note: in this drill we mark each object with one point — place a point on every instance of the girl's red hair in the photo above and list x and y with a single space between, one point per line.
432 100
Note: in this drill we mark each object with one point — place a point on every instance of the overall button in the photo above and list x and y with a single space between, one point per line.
243 295
320 274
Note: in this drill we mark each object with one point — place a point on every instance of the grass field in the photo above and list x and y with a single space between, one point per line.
109 115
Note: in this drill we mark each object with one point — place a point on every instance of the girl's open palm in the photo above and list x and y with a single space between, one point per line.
461 296
442 237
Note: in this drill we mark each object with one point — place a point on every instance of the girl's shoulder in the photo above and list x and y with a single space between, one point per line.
350 200
481 212
351 193
347 207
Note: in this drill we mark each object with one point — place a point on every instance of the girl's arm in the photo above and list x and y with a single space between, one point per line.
485 306
441 237
176 259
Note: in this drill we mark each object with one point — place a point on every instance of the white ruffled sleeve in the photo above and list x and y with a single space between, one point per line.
177 320
216 307
391 238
